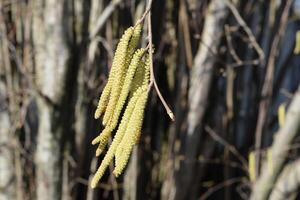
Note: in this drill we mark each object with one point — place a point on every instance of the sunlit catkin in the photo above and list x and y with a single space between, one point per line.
135 63
132 133
135 38
125 147
117 139
118 61
118 74
137 79
103 137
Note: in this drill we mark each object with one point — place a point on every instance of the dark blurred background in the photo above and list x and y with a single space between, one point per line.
228 69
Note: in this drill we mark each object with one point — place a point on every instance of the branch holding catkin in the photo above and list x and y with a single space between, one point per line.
130 80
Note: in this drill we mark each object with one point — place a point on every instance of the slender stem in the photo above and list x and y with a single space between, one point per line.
152 77
145 13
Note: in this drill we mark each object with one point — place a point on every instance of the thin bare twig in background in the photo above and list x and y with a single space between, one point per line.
284 137
230 46
247 30
230 147
267 89
184 26
152 77
221 185
147 11
104 17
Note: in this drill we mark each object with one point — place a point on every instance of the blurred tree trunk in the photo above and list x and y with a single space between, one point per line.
51 34
200 80
7 174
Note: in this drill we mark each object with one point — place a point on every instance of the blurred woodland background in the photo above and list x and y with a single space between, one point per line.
230 71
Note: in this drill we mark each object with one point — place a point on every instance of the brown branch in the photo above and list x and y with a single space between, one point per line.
283 139
219 186
230 46
152 77
104 17
246 28
288 183
267 89
230 147
147 11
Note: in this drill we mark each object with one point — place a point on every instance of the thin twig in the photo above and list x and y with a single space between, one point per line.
221 185
267 88
246 29
104 17
147 11
152 77
231 148
230 46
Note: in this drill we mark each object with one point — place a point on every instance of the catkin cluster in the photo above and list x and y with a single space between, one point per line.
127 82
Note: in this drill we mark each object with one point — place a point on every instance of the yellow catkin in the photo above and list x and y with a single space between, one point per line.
138 78
103 137
135 38
120 76
251 167
132 132
102 140
281 114
135 63
119 65
117 139
143 79
147 71
141 76
118 60
103 100
297 43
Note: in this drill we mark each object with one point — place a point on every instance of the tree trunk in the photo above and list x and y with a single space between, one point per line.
7 175
51 29
262 188
201 76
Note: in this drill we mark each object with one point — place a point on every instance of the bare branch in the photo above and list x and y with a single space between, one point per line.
152 77
283 139
267 89
104 17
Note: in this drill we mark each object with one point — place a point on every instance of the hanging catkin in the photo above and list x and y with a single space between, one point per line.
119 60
132 133
128 80
117 139
103 137
133 130
121 73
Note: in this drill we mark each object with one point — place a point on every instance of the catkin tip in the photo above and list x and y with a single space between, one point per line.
98 152
97 115
95 141
93 185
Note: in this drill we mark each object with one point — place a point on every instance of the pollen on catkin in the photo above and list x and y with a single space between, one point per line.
119 59
118 84
128 79
103 137
117 139
132 133
120 70
137 79
135 63
130 138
